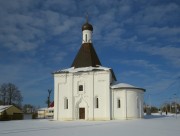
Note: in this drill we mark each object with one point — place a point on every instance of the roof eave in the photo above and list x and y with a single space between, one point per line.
130 88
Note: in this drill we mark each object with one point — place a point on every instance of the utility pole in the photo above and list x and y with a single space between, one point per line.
170 104
49 95
126 104
149 103
175 105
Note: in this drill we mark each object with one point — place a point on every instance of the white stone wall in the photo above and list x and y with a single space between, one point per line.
134 103
102 91
118 113
131 103
95 84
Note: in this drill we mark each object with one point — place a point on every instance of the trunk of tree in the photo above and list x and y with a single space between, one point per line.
4 100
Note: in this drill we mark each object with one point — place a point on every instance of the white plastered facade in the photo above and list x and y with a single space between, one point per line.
131 103
96 84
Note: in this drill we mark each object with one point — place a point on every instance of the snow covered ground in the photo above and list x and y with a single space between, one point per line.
154 125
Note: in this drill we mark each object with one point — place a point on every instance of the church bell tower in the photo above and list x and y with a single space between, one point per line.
86 56
87 30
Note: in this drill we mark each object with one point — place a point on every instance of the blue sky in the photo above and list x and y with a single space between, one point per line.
139 39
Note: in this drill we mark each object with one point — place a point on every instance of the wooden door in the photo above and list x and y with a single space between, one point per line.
81 113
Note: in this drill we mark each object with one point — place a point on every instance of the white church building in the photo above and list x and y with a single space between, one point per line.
89 91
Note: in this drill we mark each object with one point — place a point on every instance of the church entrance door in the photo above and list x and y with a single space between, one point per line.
81 113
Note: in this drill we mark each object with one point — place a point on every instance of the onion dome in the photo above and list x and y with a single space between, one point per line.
87 26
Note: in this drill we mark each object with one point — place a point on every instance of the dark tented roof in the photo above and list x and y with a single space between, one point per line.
86 57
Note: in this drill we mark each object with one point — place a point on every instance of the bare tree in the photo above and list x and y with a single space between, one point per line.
10 94
3 93
28 108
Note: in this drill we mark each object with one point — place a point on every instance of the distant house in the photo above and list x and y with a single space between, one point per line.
10 112
46 112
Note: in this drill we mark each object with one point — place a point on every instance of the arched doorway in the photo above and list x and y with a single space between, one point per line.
82 109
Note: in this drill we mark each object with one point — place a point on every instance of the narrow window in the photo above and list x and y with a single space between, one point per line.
137 103
86 37
119 103
65 103
80 87
97 102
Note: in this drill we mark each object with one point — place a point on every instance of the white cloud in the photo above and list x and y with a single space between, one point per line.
141 63
49 29
159 31
61 5
26 30
154 14
158 13
24 72
170 53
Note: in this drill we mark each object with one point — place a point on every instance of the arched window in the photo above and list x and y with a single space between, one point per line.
80 87
97 102
65 103
118 103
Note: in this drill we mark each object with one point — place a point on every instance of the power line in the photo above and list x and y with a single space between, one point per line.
167 88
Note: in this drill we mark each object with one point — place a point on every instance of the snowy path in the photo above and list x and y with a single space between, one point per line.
156 126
